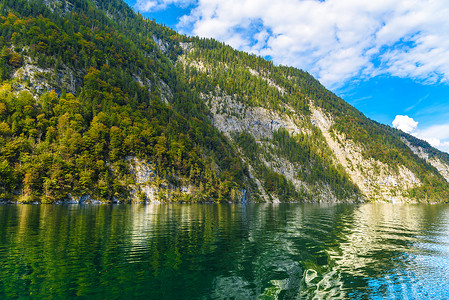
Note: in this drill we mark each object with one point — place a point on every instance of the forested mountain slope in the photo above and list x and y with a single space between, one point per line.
99 104
326 133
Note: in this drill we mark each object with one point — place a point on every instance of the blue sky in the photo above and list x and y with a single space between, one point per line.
388 58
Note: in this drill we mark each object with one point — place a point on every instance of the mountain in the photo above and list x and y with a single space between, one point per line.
99 104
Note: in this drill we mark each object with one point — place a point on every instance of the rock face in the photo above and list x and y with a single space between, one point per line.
148 187
38 80
442 167
145 188
375 179
231 116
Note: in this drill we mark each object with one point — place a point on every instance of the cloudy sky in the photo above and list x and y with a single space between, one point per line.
388 58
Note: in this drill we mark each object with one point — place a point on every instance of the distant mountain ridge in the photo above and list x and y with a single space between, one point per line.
98 104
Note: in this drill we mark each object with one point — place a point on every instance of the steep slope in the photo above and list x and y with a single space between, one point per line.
98 104
249 95
89 108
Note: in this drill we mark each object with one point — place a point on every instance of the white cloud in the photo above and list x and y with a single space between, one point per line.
405 123
335 40
437 135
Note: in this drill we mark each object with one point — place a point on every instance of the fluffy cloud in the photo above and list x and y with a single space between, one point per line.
405 123
335 40
437 135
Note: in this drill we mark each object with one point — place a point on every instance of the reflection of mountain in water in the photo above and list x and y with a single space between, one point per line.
210 251
283 255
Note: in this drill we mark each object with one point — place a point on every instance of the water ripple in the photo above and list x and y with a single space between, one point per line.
256 251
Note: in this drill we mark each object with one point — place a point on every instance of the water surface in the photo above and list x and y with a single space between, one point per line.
224 251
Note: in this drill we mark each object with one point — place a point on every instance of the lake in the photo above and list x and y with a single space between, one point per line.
224 251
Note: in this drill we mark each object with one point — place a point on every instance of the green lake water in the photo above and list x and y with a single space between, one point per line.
224 251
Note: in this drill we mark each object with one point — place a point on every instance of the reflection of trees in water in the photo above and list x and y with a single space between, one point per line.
56 251
216 251
300 237
330 250
283 242
122 250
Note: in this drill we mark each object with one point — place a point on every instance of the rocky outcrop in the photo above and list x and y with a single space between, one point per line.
231 116
37 80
